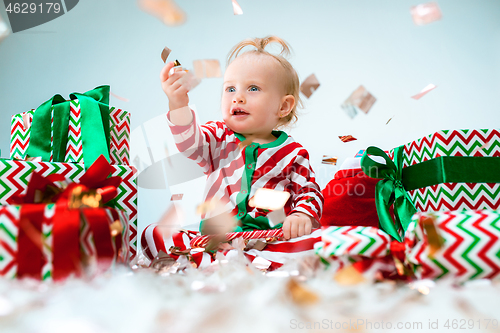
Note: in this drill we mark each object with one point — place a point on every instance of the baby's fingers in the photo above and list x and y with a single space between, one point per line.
164 72
286 229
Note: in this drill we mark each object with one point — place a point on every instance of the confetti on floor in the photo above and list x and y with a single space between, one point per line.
176 197
119 97
426 13
309 85
424 91
347 138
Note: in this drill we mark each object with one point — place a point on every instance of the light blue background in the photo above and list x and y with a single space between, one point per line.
344 42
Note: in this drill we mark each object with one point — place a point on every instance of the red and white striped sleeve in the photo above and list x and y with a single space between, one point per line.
306 194
200 143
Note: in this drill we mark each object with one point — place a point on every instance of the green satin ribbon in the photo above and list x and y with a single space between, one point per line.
95 131
396 180
389 191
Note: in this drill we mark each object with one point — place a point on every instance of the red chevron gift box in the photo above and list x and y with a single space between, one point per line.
69 130
16 175
447 170
57 229
470 245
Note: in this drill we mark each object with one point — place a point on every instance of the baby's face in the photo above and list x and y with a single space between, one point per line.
252 94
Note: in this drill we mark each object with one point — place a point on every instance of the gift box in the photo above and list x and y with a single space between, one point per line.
15 177
83 126
49 241
447 170
460 245
470 244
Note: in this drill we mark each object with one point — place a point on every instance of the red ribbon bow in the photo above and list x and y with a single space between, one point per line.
65 222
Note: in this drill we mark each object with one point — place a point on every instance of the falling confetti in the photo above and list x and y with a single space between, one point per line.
245 143
389 120
359 100
347 138
425 13
484 146
118 97
166 10
165 53
171 221
309 85
434 239
424 91
176 197
4 30
236 8
266 198
116 228
207 68
327 159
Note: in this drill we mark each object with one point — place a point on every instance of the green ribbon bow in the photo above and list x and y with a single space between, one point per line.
396 180
389 190
94 115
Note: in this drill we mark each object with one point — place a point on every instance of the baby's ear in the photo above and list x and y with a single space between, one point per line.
287 104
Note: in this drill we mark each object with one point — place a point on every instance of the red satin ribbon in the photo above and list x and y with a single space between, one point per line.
30 258
65 222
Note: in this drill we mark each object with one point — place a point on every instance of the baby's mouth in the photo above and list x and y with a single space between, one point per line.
238 112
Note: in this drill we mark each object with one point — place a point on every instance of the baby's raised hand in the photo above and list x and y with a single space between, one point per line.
296 225
175 87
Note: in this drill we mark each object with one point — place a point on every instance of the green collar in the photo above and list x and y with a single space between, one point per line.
280 139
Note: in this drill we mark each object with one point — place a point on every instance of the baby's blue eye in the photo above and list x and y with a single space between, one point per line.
230 89
254 88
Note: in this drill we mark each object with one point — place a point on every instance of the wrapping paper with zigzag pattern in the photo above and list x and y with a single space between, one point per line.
15 175
9 232
119 143
454 196
470 250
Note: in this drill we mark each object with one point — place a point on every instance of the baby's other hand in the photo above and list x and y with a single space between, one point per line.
174 87
296 225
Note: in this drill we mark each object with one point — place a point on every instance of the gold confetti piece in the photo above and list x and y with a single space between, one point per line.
81 199
426 13
349 276
245 143
300 294
484 146
26 120
219 224
207 68
171 221
347 138
176 197
166 10
266 198
434 239
116 228
165 53
327 159
389 120
255 244
310 199
359 100
261 263
424 91
4 30
118 97
236 8
309 85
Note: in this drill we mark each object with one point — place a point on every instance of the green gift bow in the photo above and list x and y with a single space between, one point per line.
94 113
396 180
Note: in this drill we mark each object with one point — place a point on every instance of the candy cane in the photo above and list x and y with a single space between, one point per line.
202 241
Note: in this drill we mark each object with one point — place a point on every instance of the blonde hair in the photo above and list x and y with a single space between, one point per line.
292 85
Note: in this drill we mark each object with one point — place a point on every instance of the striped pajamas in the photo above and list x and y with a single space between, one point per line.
234 173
